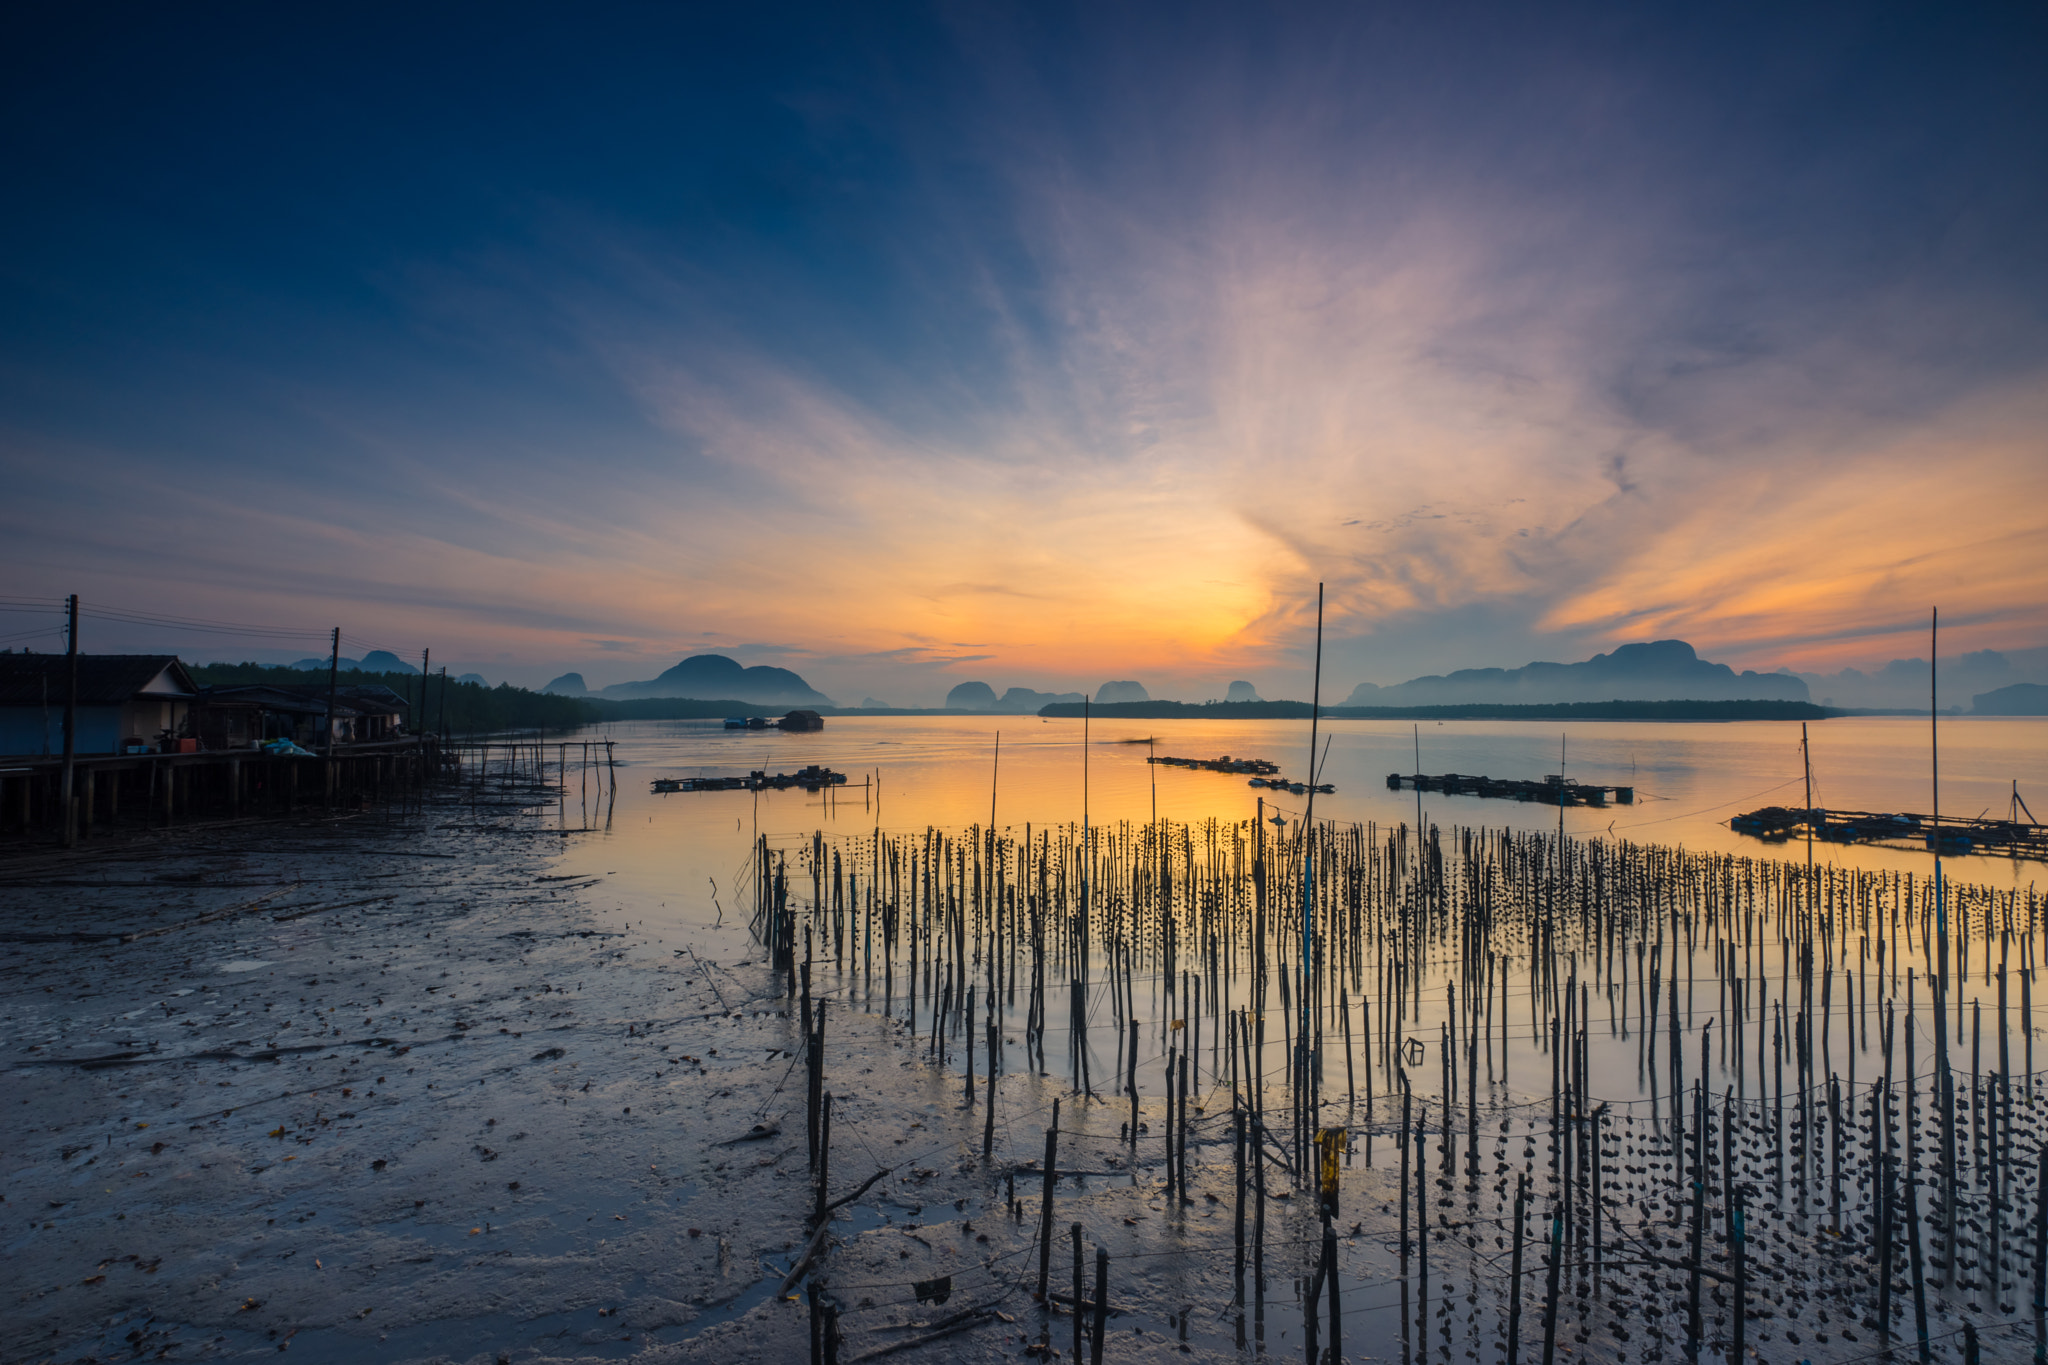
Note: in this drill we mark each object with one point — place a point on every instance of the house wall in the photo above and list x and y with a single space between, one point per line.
30 731
143 717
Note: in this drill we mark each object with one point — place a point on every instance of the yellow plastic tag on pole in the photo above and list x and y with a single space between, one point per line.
1331 1141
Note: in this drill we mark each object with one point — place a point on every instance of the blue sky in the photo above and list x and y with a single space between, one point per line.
1041 344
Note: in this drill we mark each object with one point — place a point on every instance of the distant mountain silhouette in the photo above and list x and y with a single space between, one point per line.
376 661
1243 691
1664 670
972 696
1018 701
568 685
1024 701
1112 692
1903 683
2020 699
713 677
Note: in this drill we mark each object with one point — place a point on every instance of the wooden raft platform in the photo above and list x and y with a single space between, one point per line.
1551 791
1244 767
810 779
1956 835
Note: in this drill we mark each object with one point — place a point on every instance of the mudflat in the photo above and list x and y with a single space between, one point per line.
392 1089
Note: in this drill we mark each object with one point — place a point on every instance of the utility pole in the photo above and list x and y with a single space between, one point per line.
333 681
419 719
70 813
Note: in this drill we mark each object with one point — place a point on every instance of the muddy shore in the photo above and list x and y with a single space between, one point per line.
399 1090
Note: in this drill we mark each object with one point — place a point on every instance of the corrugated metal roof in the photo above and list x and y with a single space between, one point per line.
103 679
310 698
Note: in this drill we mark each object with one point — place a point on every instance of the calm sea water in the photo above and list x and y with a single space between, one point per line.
667 851
674 866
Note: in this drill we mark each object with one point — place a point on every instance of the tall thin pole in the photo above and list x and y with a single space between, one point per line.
994 771
1934 748
70 817
1308 866
419 720
333 682
1806 756
1418 780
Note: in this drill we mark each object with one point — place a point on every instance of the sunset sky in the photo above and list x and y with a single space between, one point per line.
1040 344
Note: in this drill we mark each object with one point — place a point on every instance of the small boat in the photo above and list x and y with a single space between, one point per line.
735 722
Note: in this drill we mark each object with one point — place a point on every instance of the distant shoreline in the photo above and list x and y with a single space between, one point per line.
1687 712
1583 710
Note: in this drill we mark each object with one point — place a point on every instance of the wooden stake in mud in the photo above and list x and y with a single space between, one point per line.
1170 1057
1887 1180
1407 1099
1550 1293
1919 1274
1515 1271
1237 1116
1131 1083
1336 1309
1693 1334
2041 1263
824 1152
1102 1300
1052 1151
1080 1288
1309 1304
988 1131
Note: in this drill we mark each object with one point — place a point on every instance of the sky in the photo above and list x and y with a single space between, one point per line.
1041 344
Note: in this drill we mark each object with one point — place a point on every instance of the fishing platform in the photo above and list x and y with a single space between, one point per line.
1551 791
1953 834
810 779
1281 784
1258 767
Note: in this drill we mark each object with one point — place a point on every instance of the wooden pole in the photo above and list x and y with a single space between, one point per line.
1080 1289
1052 1150
1102 1300
333 686
67 809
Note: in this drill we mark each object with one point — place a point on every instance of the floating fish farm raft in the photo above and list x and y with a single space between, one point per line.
1265 773
1244 767
1863 827
808 779
1551 791
1281 784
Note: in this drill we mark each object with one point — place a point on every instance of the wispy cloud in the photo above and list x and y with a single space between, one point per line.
1102 352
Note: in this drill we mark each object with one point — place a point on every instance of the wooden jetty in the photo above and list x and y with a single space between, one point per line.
810 779
1248 767
1551 791
1956 835
158 790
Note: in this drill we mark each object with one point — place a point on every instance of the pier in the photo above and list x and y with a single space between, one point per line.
1551 791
